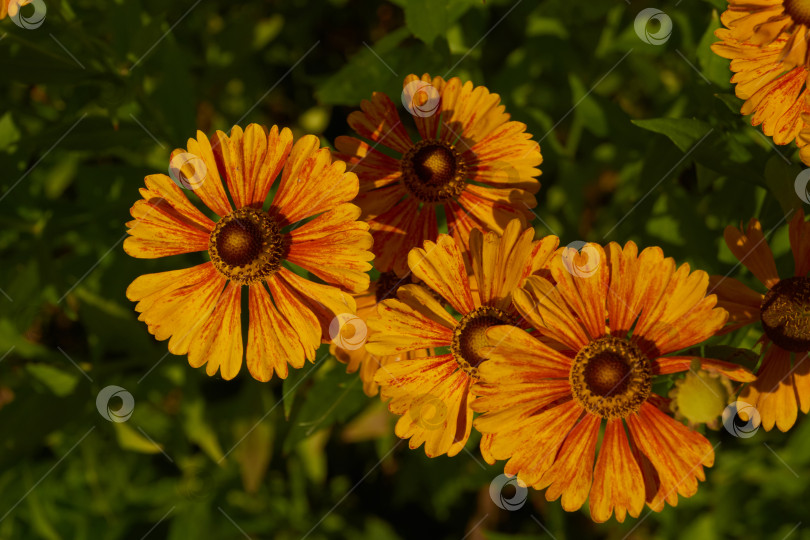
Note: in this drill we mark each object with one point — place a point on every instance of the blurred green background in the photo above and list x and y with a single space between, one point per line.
640 141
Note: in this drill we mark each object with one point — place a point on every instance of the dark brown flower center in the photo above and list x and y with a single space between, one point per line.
387 285
785 314
470 336
433 171
799 10
611 377
246 246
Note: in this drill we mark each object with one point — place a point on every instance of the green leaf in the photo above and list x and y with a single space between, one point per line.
9 134
780 177
254 450
290 385
131 439
58 381
427 19
335 397
198 429
713 67
364 74
587 109
684 132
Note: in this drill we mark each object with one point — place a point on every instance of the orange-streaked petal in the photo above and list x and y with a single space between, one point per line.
752 250
272 342
677 453
401 327
218 345
572 472
617 482
335 247
773 393
210 190
441 266
676 364
373 168
311 183
379 121
542 440
583 285
540 303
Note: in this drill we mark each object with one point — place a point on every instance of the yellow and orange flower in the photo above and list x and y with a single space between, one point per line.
4 8
199 308
613 321
782 387
432 394
357 357
470 160
769 59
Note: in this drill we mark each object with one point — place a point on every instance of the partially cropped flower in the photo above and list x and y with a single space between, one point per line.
469 161
432 395
615 325
782 387
357 358
768 53
199 308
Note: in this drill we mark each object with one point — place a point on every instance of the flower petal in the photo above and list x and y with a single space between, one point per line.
311 183
210 190
584 285
335 247
676 364
218 345
751 249
379 121
272 341
677 453
617 483
773 393
541 304
402 327
572 472
441 266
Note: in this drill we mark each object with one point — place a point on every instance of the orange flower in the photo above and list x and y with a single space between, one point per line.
357 357
613 320
432 394
782 387
199 308
469 159
4 8
770 71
